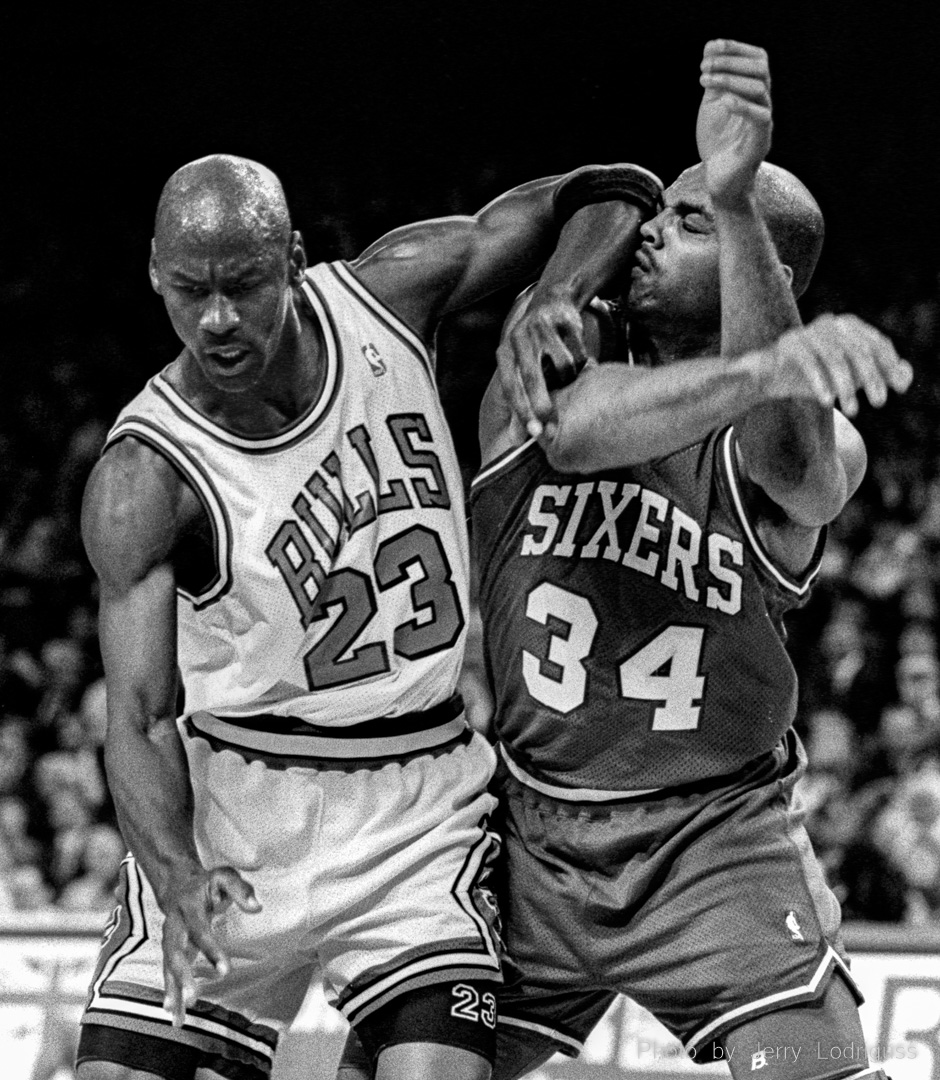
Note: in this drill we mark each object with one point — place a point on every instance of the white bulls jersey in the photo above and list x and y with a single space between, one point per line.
340 592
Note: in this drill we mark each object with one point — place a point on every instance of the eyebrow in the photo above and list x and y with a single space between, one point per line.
237 279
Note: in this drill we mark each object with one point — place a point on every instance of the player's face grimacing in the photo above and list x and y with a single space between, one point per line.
675 275
228 301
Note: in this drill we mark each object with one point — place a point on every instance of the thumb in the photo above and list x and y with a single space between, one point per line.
226 887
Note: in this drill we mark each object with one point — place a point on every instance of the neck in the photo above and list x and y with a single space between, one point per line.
668 345
289 386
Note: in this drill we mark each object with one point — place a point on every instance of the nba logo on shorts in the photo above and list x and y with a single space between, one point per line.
796 934
371 353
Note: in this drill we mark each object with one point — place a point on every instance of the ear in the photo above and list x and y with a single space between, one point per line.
297 257
154 276
788 270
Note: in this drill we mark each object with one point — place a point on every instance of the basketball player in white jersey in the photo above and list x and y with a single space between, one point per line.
277 519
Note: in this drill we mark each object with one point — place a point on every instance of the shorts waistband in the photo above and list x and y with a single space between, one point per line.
763 762
579 795
269 736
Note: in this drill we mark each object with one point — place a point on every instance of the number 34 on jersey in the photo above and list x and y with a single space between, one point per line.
665 670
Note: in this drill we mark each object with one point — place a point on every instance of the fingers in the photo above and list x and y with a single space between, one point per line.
755 90
728 48
850 356
180 987
874 361
227 887
514 390
736 67
542 351
187 933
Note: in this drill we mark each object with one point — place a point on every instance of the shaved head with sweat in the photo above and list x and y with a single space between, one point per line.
675 292
228 266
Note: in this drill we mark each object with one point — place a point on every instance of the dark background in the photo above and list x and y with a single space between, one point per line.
372 112
375 114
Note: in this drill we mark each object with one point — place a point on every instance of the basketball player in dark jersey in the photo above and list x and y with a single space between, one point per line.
640 534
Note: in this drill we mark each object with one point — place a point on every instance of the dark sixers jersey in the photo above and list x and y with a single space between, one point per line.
633 620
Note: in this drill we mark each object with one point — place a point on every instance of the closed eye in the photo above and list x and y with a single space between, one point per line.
696 222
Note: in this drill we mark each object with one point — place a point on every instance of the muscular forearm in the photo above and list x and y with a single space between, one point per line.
615 416
788 446
433 268
149 782
595 245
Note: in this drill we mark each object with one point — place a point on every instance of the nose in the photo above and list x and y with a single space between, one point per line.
652 230
219 316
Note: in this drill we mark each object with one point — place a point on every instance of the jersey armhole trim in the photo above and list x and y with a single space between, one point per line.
379 310
728 466
198 479
499 464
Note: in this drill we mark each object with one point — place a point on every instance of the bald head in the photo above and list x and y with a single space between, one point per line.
794 220
222 199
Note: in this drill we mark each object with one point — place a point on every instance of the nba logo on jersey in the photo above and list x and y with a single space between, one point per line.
371 353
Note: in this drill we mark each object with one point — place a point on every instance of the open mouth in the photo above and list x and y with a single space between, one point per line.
229 357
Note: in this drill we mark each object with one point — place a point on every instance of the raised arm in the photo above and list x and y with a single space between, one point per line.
804 458
426 270
134 510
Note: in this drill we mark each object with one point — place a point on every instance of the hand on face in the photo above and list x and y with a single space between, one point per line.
734 119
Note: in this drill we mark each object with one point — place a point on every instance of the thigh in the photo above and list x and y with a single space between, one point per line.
821 1040
409 866
550 1001
740 920
705 907
430 1061
428 1028
234 1023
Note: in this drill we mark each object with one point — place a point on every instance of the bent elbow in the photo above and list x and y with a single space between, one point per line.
817 501
564 456
574 449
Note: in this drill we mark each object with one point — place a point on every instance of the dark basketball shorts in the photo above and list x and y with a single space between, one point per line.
707 907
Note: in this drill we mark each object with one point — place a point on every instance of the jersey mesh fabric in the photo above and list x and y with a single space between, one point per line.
648 653
357 508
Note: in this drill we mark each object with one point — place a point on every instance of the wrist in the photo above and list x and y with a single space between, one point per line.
606 183
567 292
740 200
755 376
596 244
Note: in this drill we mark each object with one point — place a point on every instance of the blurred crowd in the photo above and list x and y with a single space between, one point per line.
865 645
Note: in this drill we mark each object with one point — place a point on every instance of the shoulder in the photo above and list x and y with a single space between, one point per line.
850 448
135 508
792 544
414 268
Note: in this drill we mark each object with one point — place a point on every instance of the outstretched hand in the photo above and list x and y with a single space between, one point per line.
189 911
734 124
831 359
542 348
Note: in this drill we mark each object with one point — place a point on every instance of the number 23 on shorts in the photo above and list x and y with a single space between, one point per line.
559 678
